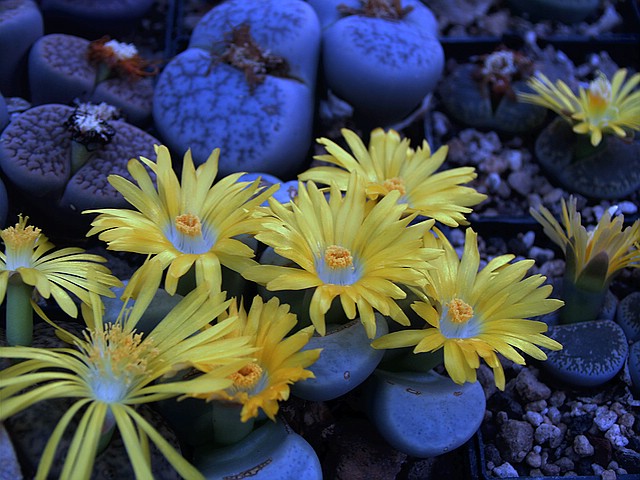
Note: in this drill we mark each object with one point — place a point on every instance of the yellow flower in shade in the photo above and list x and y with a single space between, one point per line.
346 247
603 107
389 164
28 256
192 222
475 314
584 249
114 368
279 361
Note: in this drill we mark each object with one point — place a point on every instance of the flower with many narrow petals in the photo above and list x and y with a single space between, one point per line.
279 359
389 164
28 256
346 247
114 369
583 249
473 314
184 223
603 107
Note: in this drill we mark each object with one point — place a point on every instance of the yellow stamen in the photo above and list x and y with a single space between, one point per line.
459 311
117 360
336 256
394 183
20 236
189 224
247 376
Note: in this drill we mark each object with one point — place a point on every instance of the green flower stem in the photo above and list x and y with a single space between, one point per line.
103 72
79 156
580 304
106 433
227 426
19 312
407 361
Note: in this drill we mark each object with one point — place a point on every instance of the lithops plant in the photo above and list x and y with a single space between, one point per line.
592 354
4 113
566 11
63 68
246 85
20 25
481 94
593 147
37 154
381 56
628 316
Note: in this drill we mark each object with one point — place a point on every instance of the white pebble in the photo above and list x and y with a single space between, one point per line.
604 418
505 470
582 446
615 437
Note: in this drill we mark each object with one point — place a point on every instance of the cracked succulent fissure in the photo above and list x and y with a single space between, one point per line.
385 9
243 52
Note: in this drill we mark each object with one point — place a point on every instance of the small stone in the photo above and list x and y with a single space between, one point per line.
534 418
626 420
627 208
521 182
608 475
541 255
533 459
554 415
582 446
514 159
537 406
597 469
565 464
604 418
505 470
551 469
529 387
516 439
616 438
550 433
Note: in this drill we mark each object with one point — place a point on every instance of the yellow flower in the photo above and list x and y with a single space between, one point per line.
475 314
391 165
346 247
606 242
184 223
279 361
27 256
115 368
603 107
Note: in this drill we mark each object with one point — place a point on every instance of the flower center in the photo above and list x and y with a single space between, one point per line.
247 377
501 63
395 183
122 51
188 235
20 242
459 311
189 224
117 359
599 93
336 256
338 266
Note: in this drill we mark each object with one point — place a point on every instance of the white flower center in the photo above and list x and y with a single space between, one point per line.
116 360
337 267
251 379
458 320
187 235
